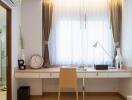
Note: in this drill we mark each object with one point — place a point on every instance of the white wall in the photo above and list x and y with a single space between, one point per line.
15 44
126 85
91 85
32 27
35 85
32 33
127 32
51 85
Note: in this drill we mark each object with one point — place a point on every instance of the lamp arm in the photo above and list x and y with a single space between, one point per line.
104 50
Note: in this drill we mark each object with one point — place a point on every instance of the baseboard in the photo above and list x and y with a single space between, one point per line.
101 93
86 93
36 96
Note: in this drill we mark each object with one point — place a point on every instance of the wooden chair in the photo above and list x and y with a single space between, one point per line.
68 80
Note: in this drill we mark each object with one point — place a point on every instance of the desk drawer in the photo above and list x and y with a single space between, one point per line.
45 75
27 75
102 75
80 75
119 74
54 75
91 75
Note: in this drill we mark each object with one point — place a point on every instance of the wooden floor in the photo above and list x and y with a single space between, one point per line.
72 97
3 95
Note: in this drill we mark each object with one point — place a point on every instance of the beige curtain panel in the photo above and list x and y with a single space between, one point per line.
115 7
47 10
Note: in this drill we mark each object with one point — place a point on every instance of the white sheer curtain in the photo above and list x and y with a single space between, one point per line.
77 26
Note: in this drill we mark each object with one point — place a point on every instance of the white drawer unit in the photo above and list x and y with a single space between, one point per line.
80 75
27 75
108 75
45 75
119 74
102 75
54 75
91 75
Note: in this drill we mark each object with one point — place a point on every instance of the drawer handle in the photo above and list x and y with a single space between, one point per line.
50 74
97 74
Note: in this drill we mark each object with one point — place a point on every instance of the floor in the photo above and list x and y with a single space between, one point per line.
2 92
2 95
72 97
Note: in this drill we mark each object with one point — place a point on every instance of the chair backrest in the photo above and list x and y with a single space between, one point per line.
68 78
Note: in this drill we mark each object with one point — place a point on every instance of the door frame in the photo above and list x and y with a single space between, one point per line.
8 50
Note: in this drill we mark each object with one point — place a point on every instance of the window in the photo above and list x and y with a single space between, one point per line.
74 33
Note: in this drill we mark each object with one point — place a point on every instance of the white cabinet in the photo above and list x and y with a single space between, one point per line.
27 75
96 75
103 75
54 75
44 75
119 74
49 75
91 75
80 75
108 74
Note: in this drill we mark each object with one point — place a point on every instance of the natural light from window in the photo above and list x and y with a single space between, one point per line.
76 29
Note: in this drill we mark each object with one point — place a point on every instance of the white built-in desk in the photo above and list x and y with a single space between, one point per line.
81 73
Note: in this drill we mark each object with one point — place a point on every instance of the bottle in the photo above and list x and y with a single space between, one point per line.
22 54
118 59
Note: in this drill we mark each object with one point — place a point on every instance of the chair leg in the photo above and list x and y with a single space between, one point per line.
59 95
77 95
83 93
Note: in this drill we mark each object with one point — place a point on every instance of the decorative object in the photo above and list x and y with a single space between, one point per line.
21 64
36 61
22 55
118 59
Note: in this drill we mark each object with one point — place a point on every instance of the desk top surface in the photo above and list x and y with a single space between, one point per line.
81 70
